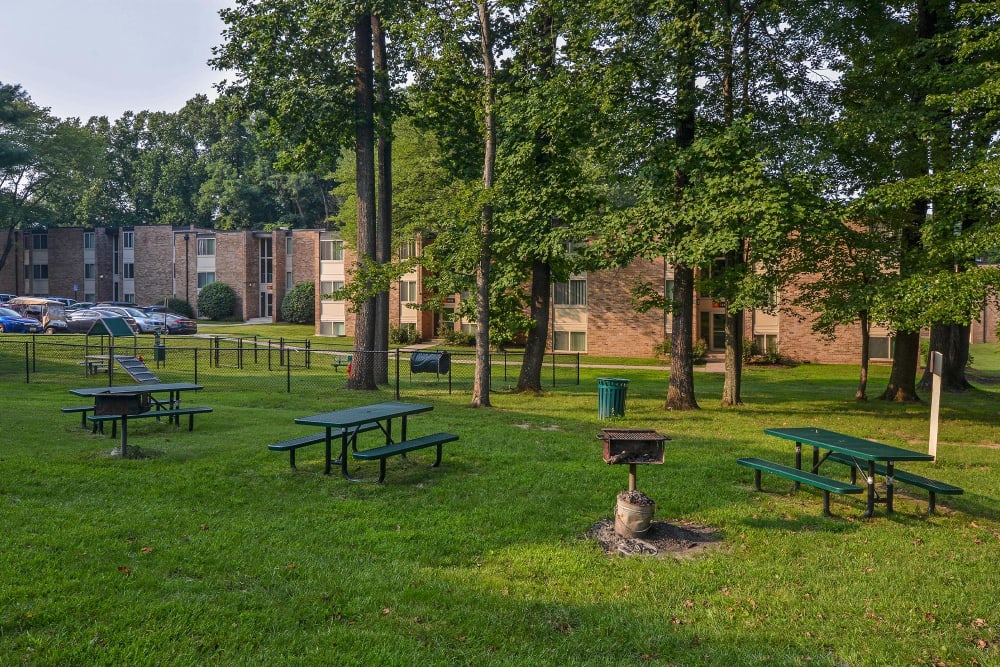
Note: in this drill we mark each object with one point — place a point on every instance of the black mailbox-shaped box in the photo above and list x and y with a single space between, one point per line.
121 404
430 362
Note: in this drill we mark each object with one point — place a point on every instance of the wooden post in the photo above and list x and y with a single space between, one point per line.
937 360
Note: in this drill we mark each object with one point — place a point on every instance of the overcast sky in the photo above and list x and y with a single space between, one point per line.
88 58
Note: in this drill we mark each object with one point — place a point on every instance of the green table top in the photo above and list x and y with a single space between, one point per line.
364 414
137 388
866 450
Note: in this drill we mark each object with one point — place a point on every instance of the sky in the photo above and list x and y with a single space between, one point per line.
83 58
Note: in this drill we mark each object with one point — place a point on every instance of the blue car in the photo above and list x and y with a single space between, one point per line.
12 322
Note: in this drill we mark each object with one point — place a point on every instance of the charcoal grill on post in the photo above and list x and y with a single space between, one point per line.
634 446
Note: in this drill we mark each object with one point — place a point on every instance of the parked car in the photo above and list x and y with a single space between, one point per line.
178 324
144 322
51 314
12 322
79 305
80 321
65 300
4 298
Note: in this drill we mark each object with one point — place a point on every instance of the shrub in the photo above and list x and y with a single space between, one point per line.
299 304
180 306
662 350
699 352
216 301
455 337
403 335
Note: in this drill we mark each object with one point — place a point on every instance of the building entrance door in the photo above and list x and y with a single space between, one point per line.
713 329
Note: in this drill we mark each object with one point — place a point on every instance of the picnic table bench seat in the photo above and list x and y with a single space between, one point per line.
397 448
827 485
83 410
171 413
314 439
932 486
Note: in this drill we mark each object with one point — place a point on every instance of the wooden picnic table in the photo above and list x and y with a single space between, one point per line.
868 452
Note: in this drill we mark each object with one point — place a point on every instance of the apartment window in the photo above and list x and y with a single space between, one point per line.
39 241
89 296
288 280
206 246
570 341
288 245
408 249
128 271
205 278
407 291
331 328
572 293
882 347
330 250
88 240
766 343
89 271
330 286
128 239
40 271
128 297
469 328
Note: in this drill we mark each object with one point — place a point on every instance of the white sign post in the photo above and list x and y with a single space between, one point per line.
937 361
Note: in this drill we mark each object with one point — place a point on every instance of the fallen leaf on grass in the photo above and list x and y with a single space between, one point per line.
146 550
124 570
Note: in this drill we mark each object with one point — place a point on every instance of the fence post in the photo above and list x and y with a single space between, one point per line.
239 353
578 369
255 348
397 373
27 362
196 365
288 372
553 369
281 351
308 352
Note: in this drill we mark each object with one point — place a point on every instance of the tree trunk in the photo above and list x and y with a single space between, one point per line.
680 391
734 359
481 381
383 231
952 341
362 366
866 346
902 381
534 349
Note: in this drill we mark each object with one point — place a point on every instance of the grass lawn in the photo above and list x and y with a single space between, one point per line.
214 551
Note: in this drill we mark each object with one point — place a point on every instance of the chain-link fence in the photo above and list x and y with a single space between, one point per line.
257 363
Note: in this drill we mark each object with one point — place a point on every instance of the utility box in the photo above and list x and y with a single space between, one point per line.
121 404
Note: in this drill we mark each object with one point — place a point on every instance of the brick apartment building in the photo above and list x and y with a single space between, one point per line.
591 313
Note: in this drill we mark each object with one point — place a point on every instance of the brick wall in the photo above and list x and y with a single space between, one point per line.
65 261
154 254
614 327
236 265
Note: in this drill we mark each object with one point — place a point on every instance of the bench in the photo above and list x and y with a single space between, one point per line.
171 413
382 453
932 486
825 484
313 439
341 361
83 410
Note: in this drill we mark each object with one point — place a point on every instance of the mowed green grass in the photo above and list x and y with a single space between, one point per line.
213 551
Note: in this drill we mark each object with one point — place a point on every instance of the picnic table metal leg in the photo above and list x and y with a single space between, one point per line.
329 448
870 509
798 463
124 435
888 486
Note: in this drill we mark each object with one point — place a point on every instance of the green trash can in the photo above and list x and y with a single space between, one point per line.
611 397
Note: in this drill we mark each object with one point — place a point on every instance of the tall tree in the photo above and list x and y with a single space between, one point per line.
918 157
